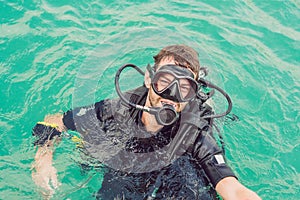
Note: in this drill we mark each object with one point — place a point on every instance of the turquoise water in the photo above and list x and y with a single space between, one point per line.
58 54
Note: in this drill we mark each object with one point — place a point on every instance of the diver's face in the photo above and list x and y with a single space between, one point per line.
157 101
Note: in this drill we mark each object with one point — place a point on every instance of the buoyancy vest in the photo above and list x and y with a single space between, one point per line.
184 132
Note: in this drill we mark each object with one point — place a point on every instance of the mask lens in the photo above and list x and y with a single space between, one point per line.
162 81
188 88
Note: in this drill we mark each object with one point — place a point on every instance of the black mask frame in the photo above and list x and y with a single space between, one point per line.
173 91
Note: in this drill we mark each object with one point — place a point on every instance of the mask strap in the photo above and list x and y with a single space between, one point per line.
150 70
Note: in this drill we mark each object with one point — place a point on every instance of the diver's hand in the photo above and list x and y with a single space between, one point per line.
231 189
44 174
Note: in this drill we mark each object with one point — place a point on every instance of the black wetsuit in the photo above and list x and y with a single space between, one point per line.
193 175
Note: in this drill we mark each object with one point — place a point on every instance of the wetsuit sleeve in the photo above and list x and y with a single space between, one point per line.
79 119
211 159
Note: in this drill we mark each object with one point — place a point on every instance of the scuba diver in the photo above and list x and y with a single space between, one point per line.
155 141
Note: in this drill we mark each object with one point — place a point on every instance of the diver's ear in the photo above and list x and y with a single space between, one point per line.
147 79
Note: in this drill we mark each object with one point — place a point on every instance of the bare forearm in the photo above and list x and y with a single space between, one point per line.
231 189
44 173
44 154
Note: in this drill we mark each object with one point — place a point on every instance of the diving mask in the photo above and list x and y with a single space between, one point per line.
173 82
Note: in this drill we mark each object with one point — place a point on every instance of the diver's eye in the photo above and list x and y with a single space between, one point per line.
185 90
185 87
164 81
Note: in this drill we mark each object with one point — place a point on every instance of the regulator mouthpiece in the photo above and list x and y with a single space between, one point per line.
164 115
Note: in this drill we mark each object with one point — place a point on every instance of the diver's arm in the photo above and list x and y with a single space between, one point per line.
219 173
44 174
231 189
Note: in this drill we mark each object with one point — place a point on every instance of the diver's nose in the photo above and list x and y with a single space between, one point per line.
174 91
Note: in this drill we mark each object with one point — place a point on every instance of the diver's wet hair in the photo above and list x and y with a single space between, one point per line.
183 55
